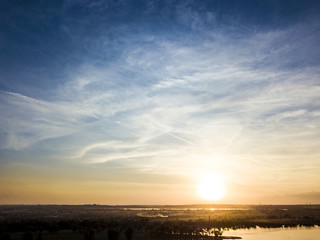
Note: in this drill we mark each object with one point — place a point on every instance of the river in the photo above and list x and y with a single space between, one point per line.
297 233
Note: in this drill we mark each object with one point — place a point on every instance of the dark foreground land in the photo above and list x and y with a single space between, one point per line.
88 222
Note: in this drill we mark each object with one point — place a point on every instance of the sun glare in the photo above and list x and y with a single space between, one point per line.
211 187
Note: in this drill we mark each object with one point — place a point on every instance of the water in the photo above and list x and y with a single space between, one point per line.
181 209
298 233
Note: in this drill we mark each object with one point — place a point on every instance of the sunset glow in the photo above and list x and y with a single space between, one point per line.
211 187
159 102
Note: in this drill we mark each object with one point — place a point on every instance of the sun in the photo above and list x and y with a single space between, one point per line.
211 187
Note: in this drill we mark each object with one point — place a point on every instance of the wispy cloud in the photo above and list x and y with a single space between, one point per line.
165 104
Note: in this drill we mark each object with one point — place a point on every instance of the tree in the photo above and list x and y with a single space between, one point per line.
5 236
217 232
129 233
113 234
89 234
28 236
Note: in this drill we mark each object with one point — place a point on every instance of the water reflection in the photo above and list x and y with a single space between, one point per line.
292 233
180 209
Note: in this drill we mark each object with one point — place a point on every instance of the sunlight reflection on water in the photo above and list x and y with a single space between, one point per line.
296 233
181 209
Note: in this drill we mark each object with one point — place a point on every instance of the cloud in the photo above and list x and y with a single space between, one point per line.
210 101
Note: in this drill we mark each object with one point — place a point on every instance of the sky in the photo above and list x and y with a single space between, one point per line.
133 102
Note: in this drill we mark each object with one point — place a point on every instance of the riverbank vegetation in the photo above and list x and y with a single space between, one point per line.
145 222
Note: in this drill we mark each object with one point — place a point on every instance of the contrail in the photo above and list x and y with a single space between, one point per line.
166 132
177 137
232 139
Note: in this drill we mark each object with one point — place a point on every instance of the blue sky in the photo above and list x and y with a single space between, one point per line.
149 95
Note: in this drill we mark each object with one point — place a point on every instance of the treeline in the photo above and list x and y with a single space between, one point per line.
34 229
128 227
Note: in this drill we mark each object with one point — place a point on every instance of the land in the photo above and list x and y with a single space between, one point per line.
146 222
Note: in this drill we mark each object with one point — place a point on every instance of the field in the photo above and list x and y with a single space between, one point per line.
145 222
